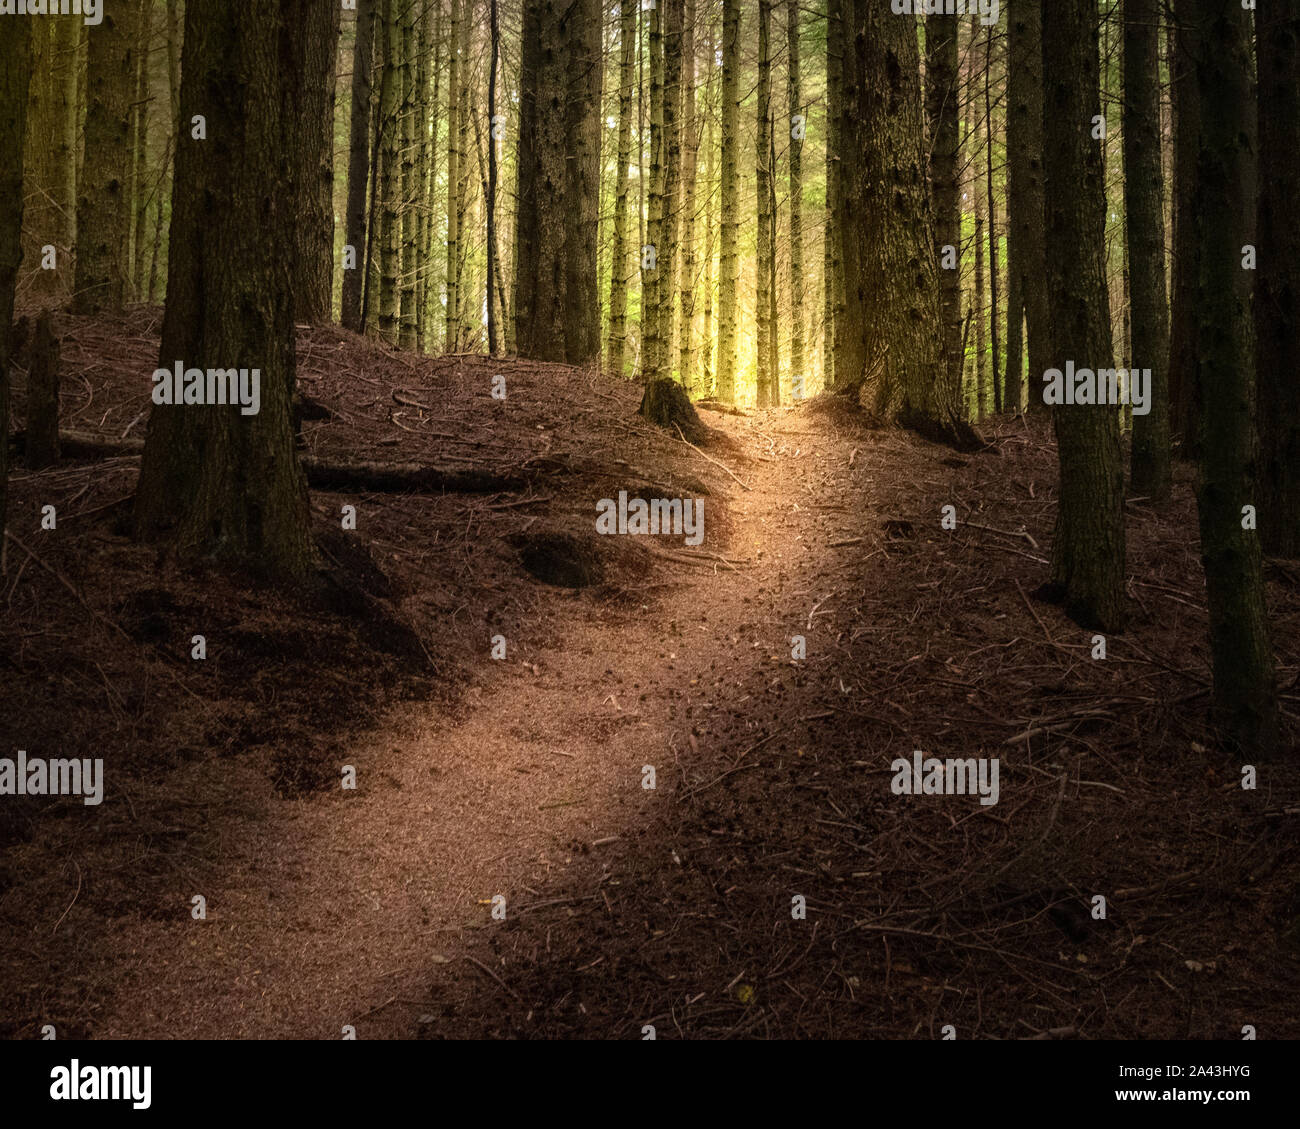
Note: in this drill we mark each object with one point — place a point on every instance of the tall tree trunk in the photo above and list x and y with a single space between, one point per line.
1088 545
710 276
1025 198
215 483
103 202
359 160
730 214
452 342
312 81
15 68
140 149
798 376
690 157
1144 190
557 301
407 326
652 288
495 47
976 140
618 274
670 261
50 162
465 292
886 342
1277 302
941 97
763 180
389 179
992 211
1184 396
832 286
1244 681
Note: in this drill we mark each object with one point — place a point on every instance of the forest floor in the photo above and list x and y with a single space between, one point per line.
625 906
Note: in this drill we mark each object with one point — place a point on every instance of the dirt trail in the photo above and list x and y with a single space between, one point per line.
333 911
628 907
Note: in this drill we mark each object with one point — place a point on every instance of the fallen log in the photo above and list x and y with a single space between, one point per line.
326 474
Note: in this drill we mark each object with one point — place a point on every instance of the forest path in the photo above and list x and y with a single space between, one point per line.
332 911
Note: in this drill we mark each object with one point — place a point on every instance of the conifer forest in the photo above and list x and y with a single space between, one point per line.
648 519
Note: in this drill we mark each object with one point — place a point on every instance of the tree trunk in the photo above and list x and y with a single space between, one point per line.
832 285
651 272
50 163
359 160
312 84
992 213
451 343
406 333
1144 191
1184 397
690 157
618 274
763 171
730 205
941 96
104 203
886 341
214 482
976 139
557 301
1088 546
1277 302
798 377
1025 199
390 210
1244 680
42 449
710 276
140 149
495 47
15 69
670 260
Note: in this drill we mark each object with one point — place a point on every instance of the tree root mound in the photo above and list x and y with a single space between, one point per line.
666 403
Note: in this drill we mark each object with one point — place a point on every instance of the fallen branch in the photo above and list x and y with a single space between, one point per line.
325 474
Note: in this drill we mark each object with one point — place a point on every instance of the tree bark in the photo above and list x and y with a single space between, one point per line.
1088 549
1277 301
730 204
103 203
1144 206
618 274
1244 680
215 483
887 342
15 68
941 95
1184 396
557 303
359 160
1025 200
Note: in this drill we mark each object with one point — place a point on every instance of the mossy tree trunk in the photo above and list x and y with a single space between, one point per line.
215 483
557 300
104 197
1088 548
